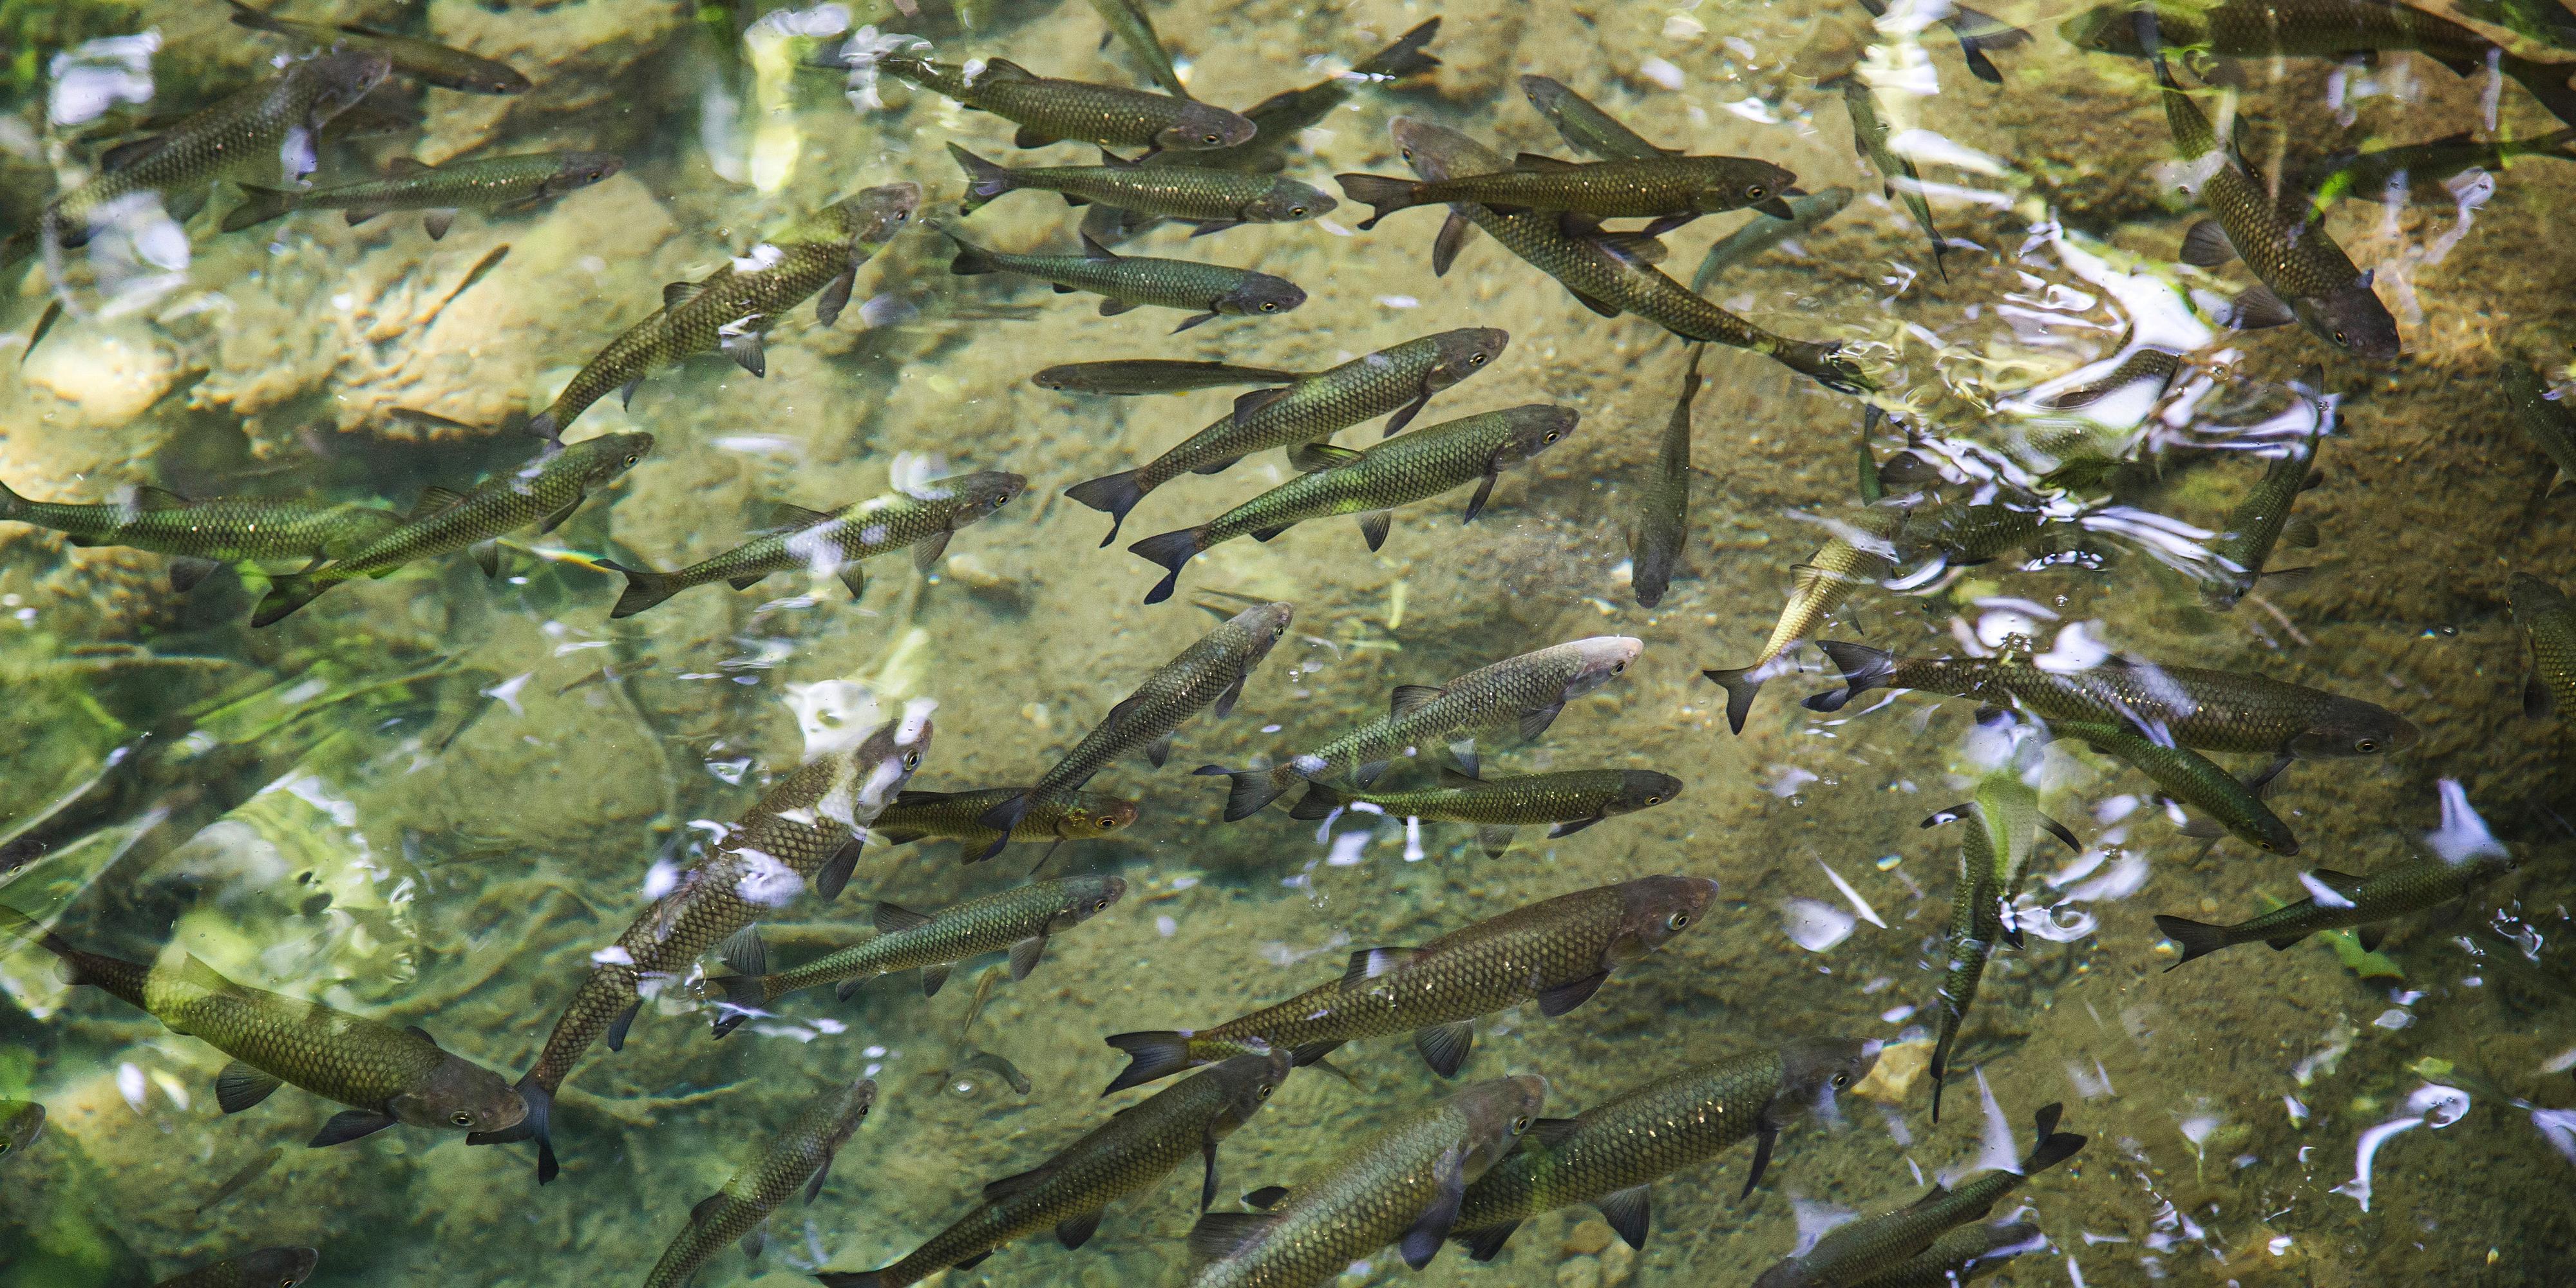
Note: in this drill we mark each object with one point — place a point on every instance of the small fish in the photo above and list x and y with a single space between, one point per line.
242 1179
2548 422
1048 110
1019 920
1055 816
1400 1186
1525 692
2350 901
544 492
838 540
1128 22
1662 523
2423 170
2261 521
611 673
1860 553
1126 281
1400 379
1994 861
1585 127
384 1074
1133 1151
1806 214
1129 376
504 184
1897 177
1572 800
21 1122
266 1268
1877 1244
1963 1256
1556 952
2549 620
1976 32
799 1159
1371 484
1672 191
1212 200
2546 21
491 260
204 534
1610 1154
2191 779
425 61
1280 118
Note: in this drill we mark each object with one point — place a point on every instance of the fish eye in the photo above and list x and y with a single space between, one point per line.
632 457
1654 800
1210 138
1841 1080
1617 667
1101 906
2338 336
1262 1091
4 1146
1269 307
1408 153
1678 921
2264 846
461 1118
1475 359
1520 1124
1278 630
1552 436
912 760
1296 212
1757 192
2366 746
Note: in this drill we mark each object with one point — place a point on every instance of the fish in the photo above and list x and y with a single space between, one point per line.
242 1178
2189 778
2549 424
1860 553
385 1075
1897 177
2546 21
1400 379
545 492
799 1159
837 541
1401 1185
1976 33
1585 127
1874 1245
2548 619
2347 901
1019 920
1572 800
425 61
1661 526
1994 861
1963 1256
1212 200
506 184
2203 709
2261 521
1371 484
1208 672
1131 1152
1280 118
201 535
1127 281
1604 275
1128 22
1060 816
1806 214
1129 376
271 124
2424 170
21 1122
1049 110
1672 191
1525 692
732 309
805 831
282 1267
1609 1155
1556 952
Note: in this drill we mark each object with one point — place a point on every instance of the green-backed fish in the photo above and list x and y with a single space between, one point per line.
2188 778
799 1159
1806 214
1400 1186
1121 377
1965 532
202 534
732 309
545 492
425 61
1280 118
506 185
1133 1151
1572 800
1669 190
21 1122
282 1267
959 816
1963 1256
2548 619
1210 200
1127 21
1610 1154
835 542
1206 291
386 1075
1556 952
1994 861
1049 110
2261 521
1897 177
1371 484
1525 693
1661 525
1584 126
2344 900
1976 32
1400 379
2548 422
1859 553
2424 171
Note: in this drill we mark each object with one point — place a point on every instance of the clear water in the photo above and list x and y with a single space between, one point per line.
428 799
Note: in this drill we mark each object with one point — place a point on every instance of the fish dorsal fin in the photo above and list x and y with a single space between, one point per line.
421 1033
1219 1235
406 165
148 497
1115 161
1307 458
1265 1198
1092 249
676 294
1373 963
1010 1185
1005 69
893 917
1535 161
706 1207
779 516
2342 883
1454 778
1550 1132
1409 698
434 499
1936 1194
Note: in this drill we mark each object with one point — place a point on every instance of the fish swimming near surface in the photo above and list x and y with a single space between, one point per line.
1861 552
1122 377
2262 521
21 1122
1898 179
1963 1256
1128 22
1661 526
799 1159
2344 900
204 534
1994 861
835 542
1133 1151
507 185
1611 1154
385 1075
1211 200
1371 484
1049 110
283 1267
959 816
2225 804
1584 126
1556 952
1671 190
1572 800
1208 291
425 61
1976 32
1806 214
2548 620
2548 422
2425 170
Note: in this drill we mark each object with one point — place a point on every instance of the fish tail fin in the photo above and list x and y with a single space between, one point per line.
11 504
644 588
1150 1055
2198 939
537 1126
972 259
1823 363
1387 195
262 204
1319 802
287 592
852 1279
545 425
1405 57
2546 82
2054 1146
1250 791
1742 686
1171 550
1113 495
21 926
734 998
984 180
1004 819
1864 668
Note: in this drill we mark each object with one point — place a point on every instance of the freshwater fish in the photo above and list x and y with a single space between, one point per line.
1610 1154
1873 1245
1572 800
545 492
1049 110
958 816
2188 778
1127 21
242 1178
1667 189
733 308
2548 619
1280 118
1898 180
425 61
1556 952
1209 672
1400 379
2261 521
266 1268
806 830
1963 1256
1662 523
1859 554
836 540
1525 692
1212 200
1133 1151
1019 920
1806 214
201 535
1126 281
1585 127
1994 862
2548 422
2426 167
1966 533
384 1074
2546 21
21 1122
799 1159
1371 484
506 185
1976 33
1130 376
2349 900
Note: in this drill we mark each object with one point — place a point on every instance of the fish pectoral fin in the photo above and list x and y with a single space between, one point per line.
1306 458
835 297
1453 235
1194 320
1484 493
1444 1047
2062 832
2281 581
890 918
1463 750
926 552
1112 307
1463 775
1159 750
626 393
616 1037
995 1191
1534 723
2300 532
1206 226
348 1125
814 1186
854 579
1267 534
1219 1235
1496 838
754 1240
745 348
2537 700
1605 310
1025 955
2257 308
1565 997
933 978
437 222
2202 827
1254 401
1765 1135
1233 693
1775 207
2370 937
2205 244
746 581
745 952
675 294
1628 1212
1548 1133
1371 963
1265 1198
835 872
1075 1231
1487 1244
705 1208
1421 1243
1207 1186
556 519
1637 248
240 1086
1408 698
1374 527
1572 826
187 574
2260 781
148 497
432 500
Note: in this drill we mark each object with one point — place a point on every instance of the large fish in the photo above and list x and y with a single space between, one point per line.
799 1159
1212 200
1133 1151
1572 800
507 185
2549 619
959 816
1206 291
266 1268
1049 110
384 1074
1661 526
1525 692
1371 484
1669 190
21 1122
2259 523
203 534
2346 900
2189 778
1400 1186
1610 1154
1556 952
425 61
2548 422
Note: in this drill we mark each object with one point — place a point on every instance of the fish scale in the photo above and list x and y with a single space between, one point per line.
1828 578
1172 192
1624 188
797 1158
840 539
1856 1250
477 185
986 924
1962 1256
2256 525
266 1268
1068 816
2388 893
1583 124
1661 529
1522 800
1479 700
227 529
1049 109
2549 621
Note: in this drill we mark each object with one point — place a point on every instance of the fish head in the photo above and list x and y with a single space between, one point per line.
1815 1070
342 77
275 1267
1534 429
1463 353
2113 29
847 1108
874 216
879 768
1598 661
1497 1113
1093 816
1085 897
1205 125
1654 909
2352 727
460 1095
582 169
1260 294
1643 789
1747 182
2531 596
1248 1081
2351 319
982 492
1289 201
1543 94
20 1124
1436 152
598 460
1264 625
